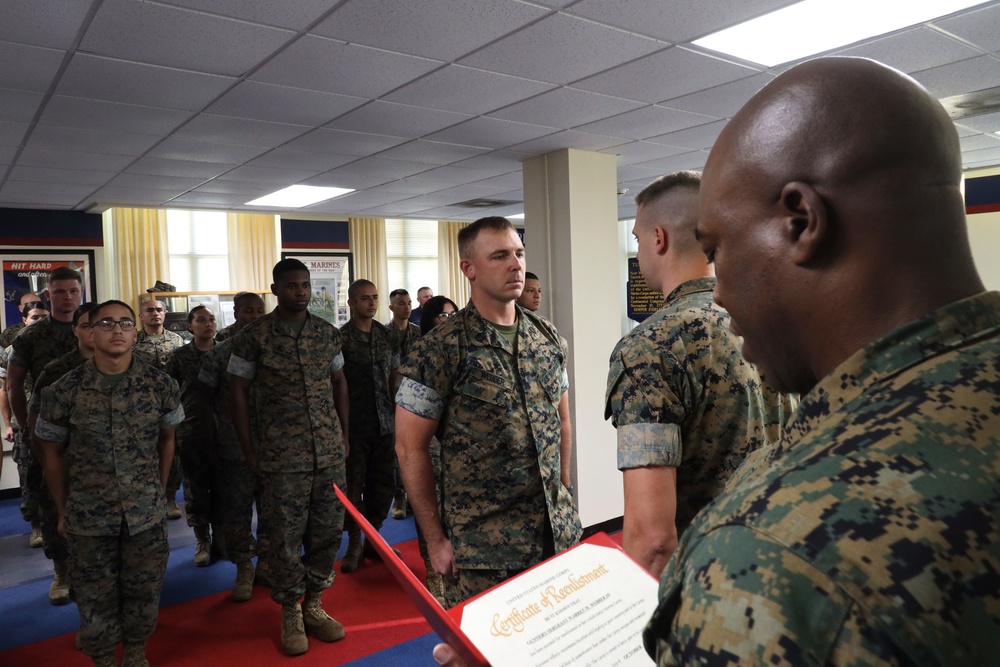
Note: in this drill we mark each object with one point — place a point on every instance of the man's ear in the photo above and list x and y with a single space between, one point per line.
274 289
661 240
468 269
806 221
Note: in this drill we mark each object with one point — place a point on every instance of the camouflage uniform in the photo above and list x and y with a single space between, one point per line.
193 443
681 395
871 533
115 508
34 348
22 457
503 503
225 333
8 334
368 362
238 487
301 452
155 351
53 543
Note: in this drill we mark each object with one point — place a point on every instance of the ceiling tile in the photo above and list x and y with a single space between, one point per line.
461 193
146 181
565 108
209 199
431 152
641 151
665 75
913 50
702 136
175 148
342 143
282 104
19 105
978 26
368 172
651 121
239 131
47 137
155 166
723 100
965 131
500 162
508 181
52 23
87 114
294 15
357 200
639 173
989 122
60 190
567 139
323 64
12 134
28 67
463 89
978 142
490 133
694 160
7 154
99 78
417 27
560 49
676 22
70 176
964 76
286 159
269 175
133 195
58 159
981 155
150 33
399 120
246 190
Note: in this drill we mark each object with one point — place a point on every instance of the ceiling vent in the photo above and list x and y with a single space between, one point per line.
972 104
486 203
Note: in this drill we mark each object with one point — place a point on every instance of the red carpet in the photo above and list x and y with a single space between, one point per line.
214 631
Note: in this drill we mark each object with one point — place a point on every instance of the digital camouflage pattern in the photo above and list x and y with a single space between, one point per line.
117 581
8 334
368 362
870 534
226 333
215 382
112 462
299 427
681 394
40 343
404 339
53 370
500 435
184 365
304 509
155 350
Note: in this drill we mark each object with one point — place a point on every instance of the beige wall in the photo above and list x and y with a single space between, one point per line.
984 235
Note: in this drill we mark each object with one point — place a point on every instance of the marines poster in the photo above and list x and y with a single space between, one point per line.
25 272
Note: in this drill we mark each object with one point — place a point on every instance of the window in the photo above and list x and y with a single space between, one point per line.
198 244
411 248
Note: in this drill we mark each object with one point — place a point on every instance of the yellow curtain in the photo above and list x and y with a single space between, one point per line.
451 280
140 256
370 263
253 250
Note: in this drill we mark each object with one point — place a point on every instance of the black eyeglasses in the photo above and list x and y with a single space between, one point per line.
108 324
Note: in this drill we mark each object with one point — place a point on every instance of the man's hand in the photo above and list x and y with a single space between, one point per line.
442 557
8 434
446 656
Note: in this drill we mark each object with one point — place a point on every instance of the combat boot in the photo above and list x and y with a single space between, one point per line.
203 550
318 623
173 511
399 505
106 660
435 585
59 590
243 588
35 540
293 631
352 559
135 655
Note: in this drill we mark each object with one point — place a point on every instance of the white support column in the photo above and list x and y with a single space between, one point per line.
572 243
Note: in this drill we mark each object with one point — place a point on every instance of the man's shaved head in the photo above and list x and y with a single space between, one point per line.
831 203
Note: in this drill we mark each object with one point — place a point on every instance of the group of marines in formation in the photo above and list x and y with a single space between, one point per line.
808 429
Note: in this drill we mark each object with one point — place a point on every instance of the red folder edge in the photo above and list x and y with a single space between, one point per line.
445 622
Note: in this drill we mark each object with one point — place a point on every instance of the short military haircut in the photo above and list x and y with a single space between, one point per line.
398 292
287 265
467 235
425 287
352 291
65 273
82 310
95 314
664 184
245 296
528 275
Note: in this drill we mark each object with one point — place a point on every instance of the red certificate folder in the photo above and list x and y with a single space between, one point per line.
446 622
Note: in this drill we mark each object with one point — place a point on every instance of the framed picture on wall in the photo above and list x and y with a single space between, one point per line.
331 274
28 271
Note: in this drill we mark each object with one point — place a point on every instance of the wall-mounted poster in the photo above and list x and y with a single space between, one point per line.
28 271
330 274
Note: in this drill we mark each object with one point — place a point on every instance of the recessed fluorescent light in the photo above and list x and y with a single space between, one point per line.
297 196
814 26
519 216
